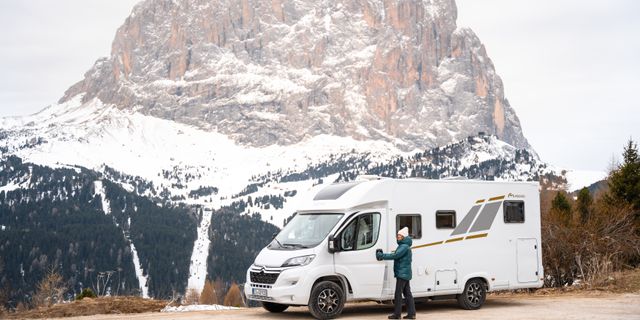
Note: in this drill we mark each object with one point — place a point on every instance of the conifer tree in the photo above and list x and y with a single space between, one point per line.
584 203
624 182
561 205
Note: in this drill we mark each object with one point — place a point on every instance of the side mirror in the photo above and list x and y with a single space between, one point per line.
333 244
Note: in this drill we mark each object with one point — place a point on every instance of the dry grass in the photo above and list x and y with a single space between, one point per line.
619 282
88 307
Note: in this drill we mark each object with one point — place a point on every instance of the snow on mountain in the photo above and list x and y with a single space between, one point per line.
267 72
106 207
145 146
200 253
142 278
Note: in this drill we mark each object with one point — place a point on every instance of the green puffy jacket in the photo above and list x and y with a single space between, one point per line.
401 259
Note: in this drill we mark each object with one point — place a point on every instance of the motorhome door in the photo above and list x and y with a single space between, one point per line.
359 239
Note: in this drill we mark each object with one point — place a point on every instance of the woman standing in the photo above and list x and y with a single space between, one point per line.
402 272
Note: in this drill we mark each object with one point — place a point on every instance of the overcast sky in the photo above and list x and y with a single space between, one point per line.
570 68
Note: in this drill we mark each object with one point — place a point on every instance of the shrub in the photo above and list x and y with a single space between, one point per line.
86 293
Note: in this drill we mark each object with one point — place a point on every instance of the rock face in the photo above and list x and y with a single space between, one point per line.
277 71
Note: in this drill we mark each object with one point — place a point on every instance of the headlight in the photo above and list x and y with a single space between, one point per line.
299 261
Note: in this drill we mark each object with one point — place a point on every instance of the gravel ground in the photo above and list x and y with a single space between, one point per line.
565 307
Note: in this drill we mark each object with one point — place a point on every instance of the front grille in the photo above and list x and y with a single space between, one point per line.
264 277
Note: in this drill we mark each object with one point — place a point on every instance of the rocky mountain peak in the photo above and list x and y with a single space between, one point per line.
277 71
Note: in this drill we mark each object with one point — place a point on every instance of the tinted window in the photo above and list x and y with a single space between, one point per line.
305 230
513 211
445 219
411 221
361 233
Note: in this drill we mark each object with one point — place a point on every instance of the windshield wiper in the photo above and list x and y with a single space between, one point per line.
280 244
296 245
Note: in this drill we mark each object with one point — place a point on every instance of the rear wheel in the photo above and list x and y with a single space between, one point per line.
326 301
474 295
274 307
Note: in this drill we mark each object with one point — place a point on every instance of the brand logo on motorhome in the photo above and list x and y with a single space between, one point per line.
511 195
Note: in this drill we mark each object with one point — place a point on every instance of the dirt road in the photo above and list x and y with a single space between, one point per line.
606 306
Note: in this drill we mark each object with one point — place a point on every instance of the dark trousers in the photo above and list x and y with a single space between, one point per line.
402 287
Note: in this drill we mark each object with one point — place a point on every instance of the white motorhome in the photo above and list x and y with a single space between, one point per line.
469 237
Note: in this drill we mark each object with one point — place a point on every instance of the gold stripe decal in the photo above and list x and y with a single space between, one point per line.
454 239
476 236
480 201
496 198
427 245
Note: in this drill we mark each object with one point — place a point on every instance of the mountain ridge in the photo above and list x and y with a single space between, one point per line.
275 72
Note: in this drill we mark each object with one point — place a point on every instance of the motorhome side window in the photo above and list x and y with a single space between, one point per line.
445 219
513 211
413 222
361 233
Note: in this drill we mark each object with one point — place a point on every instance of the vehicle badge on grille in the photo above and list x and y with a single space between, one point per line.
262 270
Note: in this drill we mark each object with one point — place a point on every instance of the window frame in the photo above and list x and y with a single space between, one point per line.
410 215
357 229
455 218
504 211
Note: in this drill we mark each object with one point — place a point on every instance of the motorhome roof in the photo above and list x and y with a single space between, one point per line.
340 197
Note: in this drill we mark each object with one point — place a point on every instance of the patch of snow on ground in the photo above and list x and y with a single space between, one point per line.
10 187
142 279
200 253
198 307
99 189
577 179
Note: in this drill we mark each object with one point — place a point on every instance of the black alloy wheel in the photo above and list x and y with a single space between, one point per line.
326 301
474 295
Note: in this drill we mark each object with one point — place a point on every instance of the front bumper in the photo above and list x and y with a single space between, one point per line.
290 287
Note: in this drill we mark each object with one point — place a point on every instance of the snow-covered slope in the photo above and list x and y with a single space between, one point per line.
173 156
176 160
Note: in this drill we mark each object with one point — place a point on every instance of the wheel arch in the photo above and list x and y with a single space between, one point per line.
482 276
340 280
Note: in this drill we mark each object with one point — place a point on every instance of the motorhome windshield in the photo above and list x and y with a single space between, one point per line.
305 230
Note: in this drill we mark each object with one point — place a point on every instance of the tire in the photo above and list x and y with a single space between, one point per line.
274 307
474 295
326 300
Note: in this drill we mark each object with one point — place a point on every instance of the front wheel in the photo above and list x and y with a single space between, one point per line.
326 300
474 295
274 307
